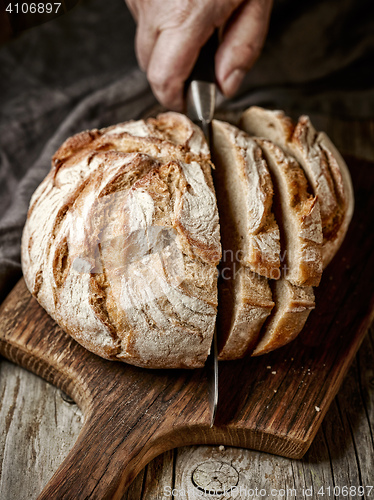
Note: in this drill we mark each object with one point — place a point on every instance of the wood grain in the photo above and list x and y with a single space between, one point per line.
132 415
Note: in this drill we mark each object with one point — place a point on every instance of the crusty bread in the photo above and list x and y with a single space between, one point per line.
243 181
121 247
324 167
293 305
122 241
297 213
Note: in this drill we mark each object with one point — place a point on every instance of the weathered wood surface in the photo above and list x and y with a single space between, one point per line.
341 455
40 428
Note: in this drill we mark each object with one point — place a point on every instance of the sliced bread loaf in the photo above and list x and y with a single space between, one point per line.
249 236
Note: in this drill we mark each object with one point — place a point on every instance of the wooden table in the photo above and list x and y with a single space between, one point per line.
39 426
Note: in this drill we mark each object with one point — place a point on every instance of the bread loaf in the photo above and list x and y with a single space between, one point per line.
121 247
123 237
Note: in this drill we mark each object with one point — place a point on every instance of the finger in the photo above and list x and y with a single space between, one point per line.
145 40
172 60
242 42
133 8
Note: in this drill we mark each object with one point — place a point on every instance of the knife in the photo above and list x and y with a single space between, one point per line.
201 100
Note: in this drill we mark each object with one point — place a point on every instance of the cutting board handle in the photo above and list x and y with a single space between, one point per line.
112 448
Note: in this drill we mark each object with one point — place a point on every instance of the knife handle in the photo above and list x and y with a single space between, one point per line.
204 69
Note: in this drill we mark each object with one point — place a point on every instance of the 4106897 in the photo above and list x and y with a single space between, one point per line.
345 491
33 8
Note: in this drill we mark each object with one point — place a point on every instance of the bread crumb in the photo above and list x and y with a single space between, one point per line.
275 390
317 408
274 372
268 367
221 448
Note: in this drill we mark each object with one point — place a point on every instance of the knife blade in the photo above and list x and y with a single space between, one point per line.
201 99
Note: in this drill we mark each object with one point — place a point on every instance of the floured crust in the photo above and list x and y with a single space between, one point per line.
298 215
122 242
325 170
249 196
293 305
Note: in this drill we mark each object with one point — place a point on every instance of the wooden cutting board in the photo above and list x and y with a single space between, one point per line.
273 403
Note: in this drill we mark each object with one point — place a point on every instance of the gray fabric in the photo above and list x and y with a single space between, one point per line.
75 73
79 72
318 58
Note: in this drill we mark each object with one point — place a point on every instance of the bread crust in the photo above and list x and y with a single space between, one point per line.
122 242
293 305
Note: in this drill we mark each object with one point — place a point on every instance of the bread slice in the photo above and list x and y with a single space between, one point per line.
323 166
245 302
244 184
298 216
122 242
293 305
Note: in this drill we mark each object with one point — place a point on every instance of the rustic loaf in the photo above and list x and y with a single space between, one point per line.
122 242
123 239
323 165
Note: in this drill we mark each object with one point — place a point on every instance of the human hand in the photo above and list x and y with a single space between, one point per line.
170 34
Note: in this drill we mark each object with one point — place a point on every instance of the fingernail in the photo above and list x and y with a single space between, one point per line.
231 84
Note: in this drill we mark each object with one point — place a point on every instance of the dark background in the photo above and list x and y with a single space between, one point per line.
79 71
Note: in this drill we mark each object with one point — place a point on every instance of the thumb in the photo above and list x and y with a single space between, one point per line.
242 43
